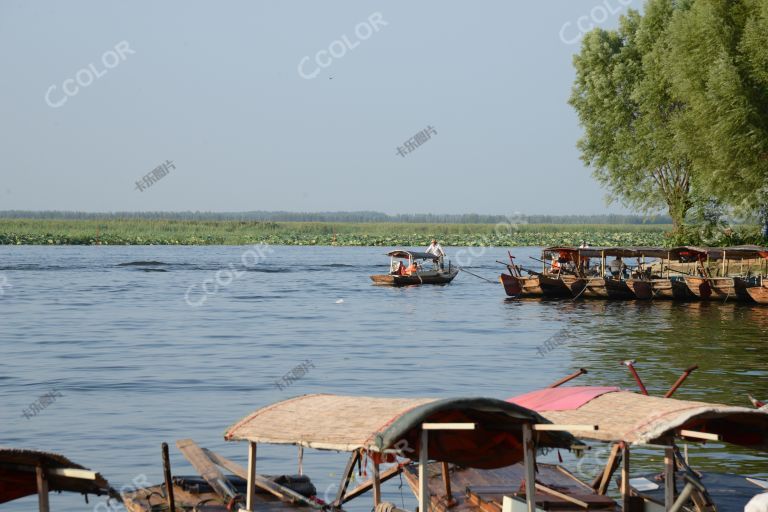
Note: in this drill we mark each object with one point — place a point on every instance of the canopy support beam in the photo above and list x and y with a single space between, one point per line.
625 489
423 473
251 476
669 477
529 450
42 489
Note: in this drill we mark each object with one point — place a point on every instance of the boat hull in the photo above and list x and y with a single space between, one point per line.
670 289
718 288
643 290
429 277
758 294
534 286
600 288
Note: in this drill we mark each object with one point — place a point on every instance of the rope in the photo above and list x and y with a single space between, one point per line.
477 276
585 287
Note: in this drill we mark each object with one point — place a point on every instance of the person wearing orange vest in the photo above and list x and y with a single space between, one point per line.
413 268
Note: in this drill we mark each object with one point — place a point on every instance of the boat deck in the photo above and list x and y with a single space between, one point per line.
479 490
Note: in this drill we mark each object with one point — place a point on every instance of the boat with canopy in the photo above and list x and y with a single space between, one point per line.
627 419
408 268
26 472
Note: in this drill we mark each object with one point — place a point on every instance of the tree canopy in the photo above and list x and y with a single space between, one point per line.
674 105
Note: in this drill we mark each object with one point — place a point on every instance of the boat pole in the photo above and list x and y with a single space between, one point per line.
568 378
168 480
680 380
631 365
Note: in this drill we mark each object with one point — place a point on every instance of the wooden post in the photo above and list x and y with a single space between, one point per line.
301 460
447 482
42 489
168 479
250 497
529 451
376 484
669 477
625 491
423 473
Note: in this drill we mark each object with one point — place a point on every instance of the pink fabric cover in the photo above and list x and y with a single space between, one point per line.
560 399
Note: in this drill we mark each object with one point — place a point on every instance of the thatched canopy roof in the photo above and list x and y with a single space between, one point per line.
412 254
18 478
347 423
640 419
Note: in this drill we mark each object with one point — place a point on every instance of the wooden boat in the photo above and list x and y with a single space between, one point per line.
607 288
726 286
386 434
718 288
626 419
535 284
758 294
641 288
397 276
670 288
28 472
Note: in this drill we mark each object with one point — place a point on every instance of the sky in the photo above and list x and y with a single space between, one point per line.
295 105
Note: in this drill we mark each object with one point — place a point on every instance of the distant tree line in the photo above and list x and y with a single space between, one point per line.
361 217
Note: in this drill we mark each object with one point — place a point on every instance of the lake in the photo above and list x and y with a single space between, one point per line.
140 354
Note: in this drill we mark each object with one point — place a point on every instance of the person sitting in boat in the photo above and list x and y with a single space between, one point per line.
617 267
401 270
414 268
555 265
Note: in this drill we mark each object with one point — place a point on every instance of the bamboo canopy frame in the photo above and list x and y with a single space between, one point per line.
473 432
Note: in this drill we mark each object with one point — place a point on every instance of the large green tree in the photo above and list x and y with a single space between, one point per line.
717 61
625 104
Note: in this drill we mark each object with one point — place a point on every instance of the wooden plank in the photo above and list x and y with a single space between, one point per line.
448 426
565 428
625 489
669 477
283 493
700 435
424 500
345 478
610 468
376 484
368 484
251 492
530 467
206 468
42 489
575 501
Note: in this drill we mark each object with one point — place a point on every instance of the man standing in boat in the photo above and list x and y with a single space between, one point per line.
437 250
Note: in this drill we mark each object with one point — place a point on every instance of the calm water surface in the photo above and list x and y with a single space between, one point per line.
136 365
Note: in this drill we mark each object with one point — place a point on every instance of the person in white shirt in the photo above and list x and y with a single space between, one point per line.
758 504
437 250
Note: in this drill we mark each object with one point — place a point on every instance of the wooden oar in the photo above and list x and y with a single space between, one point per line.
477 276
207 469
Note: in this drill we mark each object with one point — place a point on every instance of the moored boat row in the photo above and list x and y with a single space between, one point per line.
680 273
474 454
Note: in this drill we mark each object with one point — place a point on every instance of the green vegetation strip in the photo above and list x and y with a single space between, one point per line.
172 232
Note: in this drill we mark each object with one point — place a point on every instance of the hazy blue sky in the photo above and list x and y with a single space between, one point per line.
215 87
